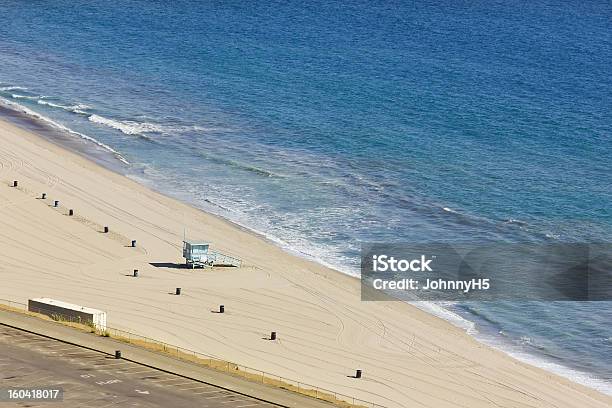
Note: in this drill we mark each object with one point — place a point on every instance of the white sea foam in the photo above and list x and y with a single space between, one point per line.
442 310
128 127
198 128
18 96
522 354
79 108
12 88
20 108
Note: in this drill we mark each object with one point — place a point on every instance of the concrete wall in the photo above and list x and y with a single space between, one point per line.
55 311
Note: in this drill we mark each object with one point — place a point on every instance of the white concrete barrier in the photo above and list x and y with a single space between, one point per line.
57 309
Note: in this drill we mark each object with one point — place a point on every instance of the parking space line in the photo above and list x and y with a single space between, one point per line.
163 380
183 383
194 388
235 400
87 353
136 369
119 363
170 382
89 358
219 396
80 357
206 392
111 364
140 372
29 343
57 345
60 350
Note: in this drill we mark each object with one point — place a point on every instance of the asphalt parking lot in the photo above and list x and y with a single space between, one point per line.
91 379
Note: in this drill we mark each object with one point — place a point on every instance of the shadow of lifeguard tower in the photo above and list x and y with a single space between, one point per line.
198 254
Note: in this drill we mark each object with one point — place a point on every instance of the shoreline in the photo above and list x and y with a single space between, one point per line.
494 339
108 159
337 277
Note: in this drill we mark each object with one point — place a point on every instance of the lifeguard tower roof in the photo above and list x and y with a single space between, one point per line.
193 243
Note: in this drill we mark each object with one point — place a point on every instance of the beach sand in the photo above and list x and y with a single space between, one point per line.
408 357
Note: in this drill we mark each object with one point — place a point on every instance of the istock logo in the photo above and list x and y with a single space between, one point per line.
384 263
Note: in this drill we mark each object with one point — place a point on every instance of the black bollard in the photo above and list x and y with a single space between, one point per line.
117 354
56 203
44 195
15 183
178 291
133 243
106 230
221 309
135 273
358 374
273 336
71 212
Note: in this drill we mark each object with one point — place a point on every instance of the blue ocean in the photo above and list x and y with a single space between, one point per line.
325 124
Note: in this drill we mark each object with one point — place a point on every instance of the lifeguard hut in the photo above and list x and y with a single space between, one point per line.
198 254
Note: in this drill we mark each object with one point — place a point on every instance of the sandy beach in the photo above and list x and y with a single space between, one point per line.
408 357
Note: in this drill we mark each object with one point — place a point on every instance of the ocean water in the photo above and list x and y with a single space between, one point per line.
325 124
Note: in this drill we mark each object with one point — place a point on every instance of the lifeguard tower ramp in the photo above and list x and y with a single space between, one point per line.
198 254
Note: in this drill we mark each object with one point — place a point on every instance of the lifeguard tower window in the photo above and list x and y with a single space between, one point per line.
199 249
195 251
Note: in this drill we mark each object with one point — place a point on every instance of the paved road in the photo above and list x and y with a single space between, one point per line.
91 379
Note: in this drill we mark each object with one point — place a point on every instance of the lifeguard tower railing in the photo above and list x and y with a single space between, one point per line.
220 259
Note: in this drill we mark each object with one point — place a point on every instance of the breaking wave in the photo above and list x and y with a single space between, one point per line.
127 127
12 88
79 108
18 96
22 109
